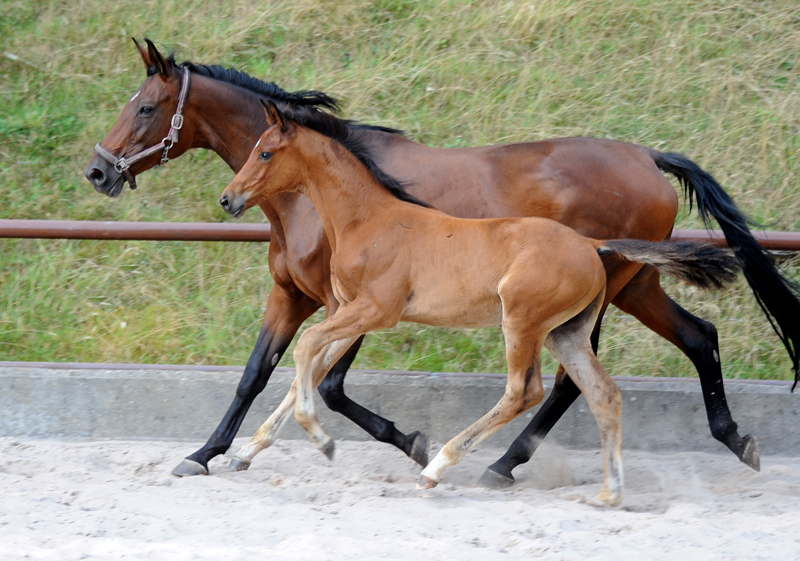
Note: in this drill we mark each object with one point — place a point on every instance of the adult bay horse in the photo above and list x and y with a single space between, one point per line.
395 260
601 188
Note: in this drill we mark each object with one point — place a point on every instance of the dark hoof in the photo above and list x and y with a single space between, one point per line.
238 465
426 483
328 449
493 480
419 448
188 467
751 454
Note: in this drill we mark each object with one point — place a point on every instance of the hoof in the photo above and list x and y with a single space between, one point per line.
238 465
751 455
188 468
328 449
426 483
603 500
419 448
493 480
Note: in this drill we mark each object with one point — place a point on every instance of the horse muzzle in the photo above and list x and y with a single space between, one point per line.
104 178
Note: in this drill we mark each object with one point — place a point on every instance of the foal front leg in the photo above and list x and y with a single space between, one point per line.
319 348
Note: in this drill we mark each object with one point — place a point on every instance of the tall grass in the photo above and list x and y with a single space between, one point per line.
717 81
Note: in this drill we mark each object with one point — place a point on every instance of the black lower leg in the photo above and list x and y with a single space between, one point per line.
332 391
262 362
701 346
564 394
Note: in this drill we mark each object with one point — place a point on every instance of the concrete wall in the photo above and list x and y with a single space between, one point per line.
179 403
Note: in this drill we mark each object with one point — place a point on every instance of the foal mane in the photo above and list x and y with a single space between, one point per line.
341 131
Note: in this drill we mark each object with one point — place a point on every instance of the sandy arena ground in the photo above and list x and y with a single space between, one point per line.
113 500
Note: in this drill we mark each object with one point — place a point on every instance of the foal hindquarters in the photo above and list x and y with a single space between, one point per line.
569 343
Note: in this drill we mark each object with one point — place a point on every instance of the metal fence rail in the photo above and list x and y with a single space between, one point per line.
230 232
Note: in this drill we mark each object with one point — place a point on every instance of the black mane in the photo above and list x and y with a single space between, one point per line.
312 109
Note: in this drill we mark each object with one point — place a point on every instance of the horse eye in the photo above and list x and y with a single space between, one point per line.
265 156
145 110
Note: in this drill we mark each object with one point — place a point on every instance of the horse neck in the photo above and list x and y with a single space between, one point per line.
344 192
229 120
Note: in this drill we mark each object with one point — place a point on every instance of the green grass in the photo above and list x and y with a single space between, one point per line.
717 81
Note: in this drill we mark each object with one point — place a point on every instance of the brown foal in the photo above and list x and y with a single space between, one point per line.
394 261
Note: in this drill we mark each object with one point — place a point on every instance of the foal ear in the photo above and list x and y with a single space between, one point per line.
275 116
156 59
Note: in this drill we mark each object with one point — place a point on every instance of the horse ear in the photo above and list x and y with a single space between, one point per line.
143 53
157 60
275 116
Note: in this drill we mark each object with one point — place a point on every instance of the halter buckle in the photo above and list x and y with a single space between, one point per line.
177 122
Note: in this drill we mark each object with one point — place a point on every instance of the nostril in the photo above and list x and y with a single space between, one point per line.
97 175
223 200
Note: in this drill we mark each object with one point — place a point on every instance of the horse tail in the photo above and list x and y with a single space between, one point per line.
698 263
776 295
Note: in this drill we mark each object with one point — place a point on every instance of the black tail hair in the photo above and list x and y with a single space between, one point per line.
777 295
697 263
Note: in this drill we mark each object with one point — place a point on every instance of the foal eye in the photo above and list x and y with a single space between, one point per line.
145 110
265 156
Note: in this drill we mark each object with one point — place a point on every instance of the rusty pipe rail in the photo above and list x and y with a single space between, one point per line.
152 231
232 232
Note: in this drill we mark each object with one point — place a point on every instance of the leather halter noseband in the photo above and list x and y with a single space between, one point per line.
122 164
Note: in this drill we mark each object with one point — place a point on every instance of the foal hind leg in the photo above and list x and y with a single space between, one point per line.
523 391
645 299
562 396
569 344
414 445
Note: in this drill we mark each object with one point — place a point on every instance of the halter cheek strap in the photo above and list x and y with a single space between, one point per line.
122 164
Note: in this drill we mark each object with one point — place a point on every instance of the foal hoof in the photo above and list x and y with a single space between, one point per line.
751 454
419 448
328 449
238 465
188 468
493 480
426 483
603 500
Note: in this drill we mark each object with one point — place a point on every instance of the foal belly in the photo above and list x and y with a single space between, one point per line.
454 310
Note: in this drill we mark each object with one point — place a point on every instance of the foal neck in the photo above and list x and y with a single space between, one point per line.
343 190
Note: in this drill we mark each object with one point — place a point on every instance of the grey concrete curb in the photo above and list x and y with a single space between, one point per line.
186 403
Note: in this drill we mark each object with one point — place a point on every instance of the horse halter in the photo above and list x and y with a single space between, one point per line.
122 164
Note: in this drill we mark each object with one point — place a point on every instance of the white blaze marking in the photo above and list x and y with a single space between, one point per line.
134 96
257 143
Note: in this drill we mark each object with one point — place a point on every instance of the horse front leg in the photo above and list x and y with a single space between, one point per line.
645 299
414 445
282 319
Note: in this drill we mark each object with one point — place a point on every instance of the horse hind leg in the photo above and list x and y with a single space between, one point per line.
645 299
569 344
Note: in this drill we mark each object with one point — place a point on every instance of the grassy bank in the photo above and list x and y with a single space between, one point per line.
717 81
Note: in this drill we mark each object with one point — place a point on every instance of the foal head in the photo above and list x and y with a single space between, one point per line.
144 122
267 171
